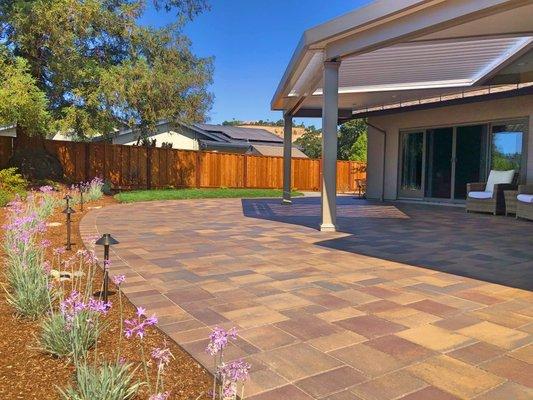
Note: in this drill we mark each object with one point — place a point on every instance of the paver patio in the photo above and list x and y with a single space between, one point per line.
387 308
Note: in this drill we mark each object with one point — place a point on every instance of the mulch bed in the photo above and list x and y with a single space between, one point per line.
28 373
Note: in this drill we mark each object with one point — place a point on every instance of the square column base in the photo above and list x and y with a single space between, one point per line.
328 228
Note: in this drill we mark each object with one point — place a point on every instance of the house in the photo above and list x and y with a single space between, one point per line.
446 88
8 131
208 137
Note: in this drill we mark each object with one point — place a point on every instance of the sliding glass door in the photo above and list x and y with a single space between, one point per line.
470 157
412 159
439 156
439 163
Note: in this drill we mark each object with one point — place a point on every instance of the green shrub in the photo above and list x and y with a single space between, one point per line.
29 292
110 381
5 197
63 338
12 182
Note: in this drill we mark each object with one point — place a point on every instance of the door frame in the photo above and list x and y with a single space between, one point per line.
411 194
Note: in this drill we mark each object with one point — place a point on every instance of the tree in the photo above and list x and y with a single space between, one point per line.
164 81
21 101
359 148
349 133
75 47
310 142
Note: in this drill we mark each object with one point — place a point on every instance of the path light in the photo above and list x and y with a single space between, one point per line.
106 240
68 211
80 187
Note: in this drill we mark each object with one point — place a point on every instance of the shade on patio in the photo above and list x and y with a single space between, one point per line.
395 53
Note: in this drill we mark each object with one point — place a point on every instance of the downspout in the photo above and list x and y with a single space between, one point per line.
384 132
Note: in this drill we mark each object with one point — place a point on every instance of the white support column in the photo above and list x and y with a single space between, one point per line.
287 159
330 113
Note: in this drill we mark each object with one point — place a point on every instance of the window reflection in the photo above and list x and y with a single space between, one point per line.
506 149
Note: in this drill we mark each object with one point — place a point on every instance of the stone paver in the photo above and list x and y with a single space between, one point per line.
405 302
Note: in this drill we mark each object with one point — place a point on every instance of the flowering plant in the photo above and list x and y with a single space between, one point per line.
226 375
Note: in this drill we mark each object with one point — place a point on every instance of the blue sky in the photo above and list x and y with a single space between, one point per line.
252 42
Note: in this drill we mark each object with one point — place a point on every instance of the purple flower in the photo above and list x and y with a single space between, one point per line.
230 374
235 371
218 340
46 189
99 306
47 267
162 356
118 279
137 325
107 263
45 243
160 396
58 251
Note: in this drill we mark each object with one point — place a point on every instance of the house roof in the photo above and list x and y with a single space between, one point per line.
274 150
240 134
406 50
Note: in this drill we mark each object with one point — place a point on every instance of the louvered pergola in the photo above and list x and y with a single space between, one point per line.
396 52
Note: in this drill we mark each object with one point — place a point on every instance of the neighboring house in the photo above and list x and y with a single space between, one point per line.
8 131
211 138
297 131
446 88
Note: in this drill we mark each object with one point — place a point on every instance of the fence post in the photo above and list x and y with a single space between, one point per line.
87 161
198 166
245 171
148 168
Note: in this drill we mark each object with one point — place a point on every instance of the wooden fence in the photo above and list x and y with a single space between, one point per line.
132 167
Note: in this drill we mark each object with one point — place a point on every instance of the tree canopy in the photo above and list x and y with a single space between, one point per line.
310 142
99 69
21 101
351 145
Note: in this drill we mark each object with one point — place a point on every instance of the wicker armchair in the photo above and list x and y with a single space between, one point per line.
494 205
524 210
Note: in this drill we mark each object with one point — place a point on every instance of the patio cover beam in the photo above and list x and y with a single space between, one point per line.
330 116
287 159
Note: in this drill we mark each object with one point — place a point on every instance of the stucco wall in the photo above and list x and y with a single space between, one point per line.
517 107
178 140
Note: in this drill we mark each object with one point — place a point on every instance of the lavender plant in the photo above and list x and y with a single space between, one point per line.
93 190
109 381
75 328
227 376
26 273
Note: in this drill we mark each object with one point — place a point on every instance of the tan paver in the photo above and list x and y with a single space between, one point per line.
390 386
454 376
496 334
407 301
435 338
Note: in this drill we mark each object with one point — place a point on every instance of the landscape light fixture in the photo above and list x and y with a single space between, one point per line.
68 211
107 241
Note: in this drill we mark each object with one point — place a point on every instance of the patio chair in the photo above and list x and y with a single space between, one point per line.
524 205
488 197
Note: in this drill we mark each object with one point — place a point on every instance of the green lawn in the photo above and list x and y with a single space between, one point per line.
181 194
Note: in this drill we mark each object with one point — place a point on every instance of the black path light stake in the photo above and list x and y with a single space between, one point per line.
68 211
106 240
80 187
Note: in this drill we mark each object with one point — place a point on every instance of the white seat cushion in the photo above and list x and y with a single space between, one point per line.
525 198
480 195
496 177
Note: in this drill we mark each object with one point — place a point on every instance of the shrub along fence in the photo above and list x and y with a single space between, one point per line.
133 167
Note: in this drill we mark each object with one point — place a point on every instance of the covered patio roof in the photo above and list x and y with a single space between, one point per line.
397 52
407 50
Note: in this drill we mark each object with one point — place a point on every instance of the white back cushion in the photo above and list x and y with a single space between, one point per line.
525 198
499 177
480 195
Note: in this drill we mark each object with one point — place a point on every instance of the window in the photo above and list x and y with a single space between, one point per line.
506 145
412 149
